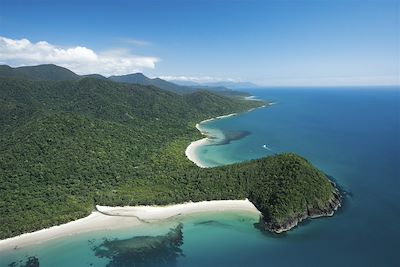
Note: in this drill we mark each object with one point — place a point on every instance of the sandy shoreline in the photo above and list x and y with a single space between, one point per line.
95 221
190 151
156 213
110 218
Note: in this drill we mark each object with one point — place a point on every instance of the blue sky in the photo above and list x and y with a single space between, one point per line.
267 42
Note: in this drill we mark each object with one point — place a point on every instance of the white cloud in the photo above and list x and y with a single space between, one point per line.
135 42
201 79
79 59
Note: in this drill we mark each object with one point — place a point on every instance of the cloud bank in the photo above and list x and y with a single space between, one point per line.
79 59
201 79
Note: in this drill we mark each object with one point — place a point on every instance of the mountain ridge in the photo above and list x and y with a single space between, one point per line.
52 72
39 72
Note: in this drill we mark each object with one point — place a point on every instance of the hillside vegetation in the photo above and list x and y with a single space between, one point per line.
51 72
69 145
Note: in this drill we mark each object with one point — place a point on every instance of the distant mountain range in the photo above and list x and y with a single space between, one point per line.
51 72
140 78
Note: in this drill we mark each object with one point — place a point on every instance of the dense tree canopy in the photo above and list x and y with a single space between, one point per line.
69 145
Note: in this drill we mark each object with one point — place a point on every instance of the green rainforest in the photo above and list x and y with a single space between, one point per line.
68 143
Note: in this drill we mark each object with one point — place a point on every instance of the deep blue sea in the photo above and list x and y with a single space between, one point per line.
352 134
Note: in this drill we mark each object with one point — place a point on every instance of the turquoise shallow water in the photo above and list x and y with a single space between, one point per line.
352 135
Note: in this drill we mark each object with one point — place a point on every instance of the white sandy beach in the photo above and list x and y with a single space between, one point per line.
190 151
226 116
95 221
123 217
155 213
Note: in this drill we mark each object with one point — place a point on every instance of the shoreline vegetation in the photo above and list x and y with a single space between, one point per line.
112 218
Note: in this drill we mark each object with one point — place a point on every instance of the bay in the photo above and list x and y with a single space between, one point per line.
352 134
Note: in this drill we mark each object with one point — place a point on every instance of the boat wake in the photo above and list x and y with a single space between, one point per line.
266 147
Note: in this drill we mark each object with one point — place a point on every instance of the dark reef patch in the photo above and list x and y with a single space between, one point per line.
232 136
31 261
160 250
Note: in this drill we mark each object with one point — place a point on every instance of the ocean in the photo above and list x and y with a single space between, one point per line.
352 134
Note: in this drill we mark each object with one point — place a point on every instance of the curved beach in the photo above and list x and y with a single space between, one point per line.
111 218
190 151
192 148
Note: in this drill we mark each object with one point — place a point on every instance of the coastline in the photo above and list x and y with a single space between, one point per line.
270 226
111 218
328 211
94 222
150 214
190 151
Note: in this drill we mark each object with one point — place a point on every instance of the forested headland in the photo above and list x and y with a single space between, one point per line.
69 144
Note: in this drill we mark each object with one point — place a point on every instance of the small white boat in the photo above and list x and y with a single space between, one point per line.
266 147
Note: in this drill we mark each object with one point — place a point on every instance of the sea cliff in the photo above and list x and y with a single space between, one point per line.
309 213
289 189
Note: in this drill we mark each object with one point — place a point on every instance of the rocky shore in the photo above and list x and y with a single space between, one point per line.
309 213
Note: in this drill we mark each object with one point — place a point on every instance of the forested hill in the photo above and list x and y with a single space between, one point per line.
66 143
46 72
51 72
139 78
69 145
133 105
